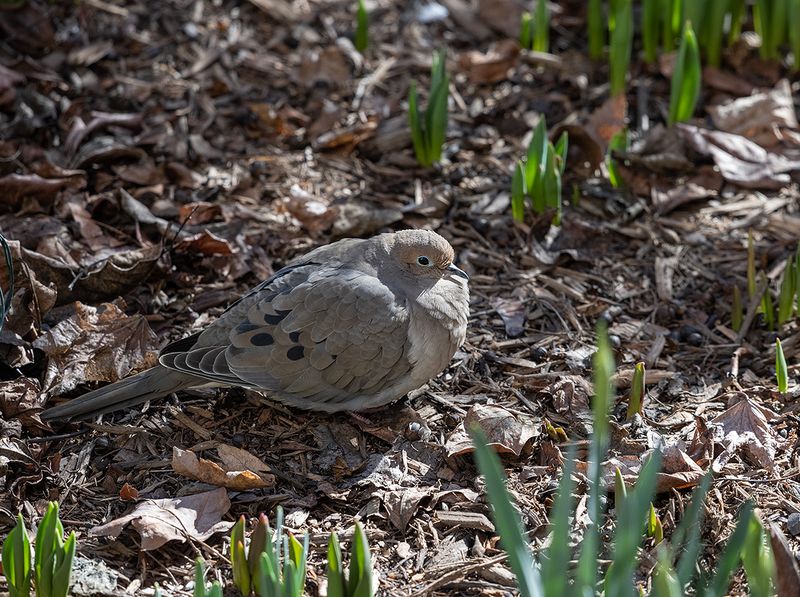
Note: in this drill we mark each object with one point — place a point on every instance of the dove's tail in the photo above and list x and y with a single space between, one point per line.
147 385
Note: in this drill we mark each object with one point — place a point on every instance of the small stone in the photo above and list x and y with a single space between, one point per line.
793 524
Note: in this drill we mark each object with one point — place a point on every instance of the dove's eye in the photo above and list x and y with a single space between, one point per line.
424 261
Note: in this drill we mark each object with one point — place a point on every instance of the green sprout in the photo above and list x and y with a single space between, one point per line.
597 30
534 31
361 39
540 177
200 589
716 11
636 402
781 371
786 294
767 308
17 560
770 19
259 568
737 310
54 556
686 78
737 13
751 266
672 12
620 30
619 142
651 11
526 31
428 132
794 32
358 581
676 569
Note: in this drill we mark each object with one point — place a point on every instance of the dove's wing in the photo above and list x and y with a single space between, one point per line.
314 337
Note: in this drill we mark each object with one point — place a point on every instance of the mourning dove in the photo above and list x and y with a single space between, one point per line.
349 326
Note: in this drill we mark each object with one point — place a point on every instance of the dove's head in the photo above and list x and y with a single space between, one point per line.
424 255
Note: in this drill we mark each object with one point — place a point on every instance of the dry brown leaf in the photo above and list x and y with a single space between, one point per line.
513 313
787 571
328 65
505 431
401 505
32 193
205 243
494 65
744 428
194 517
760 117
94 344
187 463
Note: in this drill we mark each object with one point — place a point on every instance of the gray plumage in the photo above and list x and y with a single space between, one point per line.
349 326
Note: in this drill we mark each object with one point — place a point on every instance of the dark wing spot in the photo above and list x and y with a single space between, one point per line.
294 336
295 353
245 327
276 319
262 339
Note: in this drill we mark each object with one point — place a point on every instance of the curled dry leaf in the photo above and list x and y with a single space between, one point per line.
402 504
505 431
744 428
513 313
194 517
233 474
33 192
205 243
95 344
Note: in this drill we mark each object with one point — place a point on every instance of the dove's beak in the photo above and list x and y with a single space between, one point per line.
452 269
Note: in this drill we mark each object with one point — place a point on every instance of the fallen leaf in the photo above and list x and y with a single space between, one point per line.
504 430
494 65
401 505
740 160
760 117
194 517
94 344
233 475
328 65
22 191
205 243
744 428
200 212
513 313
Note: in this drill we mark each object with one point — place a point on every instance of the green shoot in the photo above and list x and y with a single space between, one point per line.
241 570
17 560
636 402
737 12
650 25
620 29
737 310
758 560
672 11
540 178
655 528
714 25
518 193
787 293
361 39
770 18
767 307
526 31
619 142
781 371
541 27
594 20
358 583
686 78
200 589
794 32
54 556
428 131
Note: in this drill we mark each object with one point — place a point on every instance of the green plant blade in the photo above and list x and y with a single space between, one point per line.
555 573
636 402
518 193
436 113
63 570
562 149
541 24
650 26
737 310
665 580
621 43
336 580
17 560
537 149
417 134
786 293
49 540
619 142
758 560
603 371
793 20
729 559
631 521
781 371
686 78
714 28
360 585
361 40
689 528
506 518
526 31
597 30
199 578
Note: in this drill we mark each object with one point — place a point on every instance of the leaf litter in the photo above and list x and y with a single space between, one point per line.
143 194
